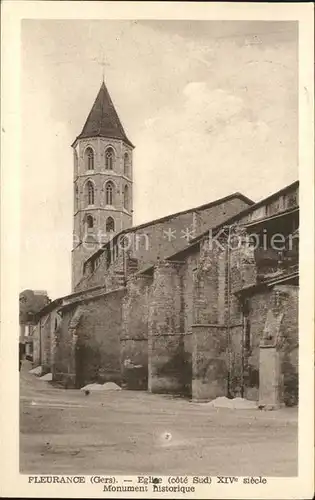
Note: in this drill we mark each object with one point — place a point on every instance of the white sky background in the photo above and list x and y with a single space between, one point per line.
212 108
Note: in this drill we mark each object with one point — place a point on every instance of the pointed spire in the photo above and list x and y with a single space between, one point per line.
103 120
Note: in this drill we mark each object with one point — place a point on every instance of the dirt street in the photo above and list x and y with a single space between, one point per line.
126 432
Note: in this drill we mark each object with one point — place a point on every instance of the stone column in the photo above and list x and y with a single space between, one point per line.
167 367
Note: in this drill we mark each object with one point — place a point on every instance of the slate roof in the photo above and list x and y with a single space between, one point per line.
103 120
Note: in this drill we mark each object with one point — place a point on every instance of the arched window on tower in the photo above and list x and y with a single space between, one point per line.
109 193
126 164
89 158
109 159
126 197
110 225
89 193
89 222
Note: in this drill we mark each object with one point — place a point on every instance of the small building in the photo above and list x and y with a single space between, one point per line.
30 303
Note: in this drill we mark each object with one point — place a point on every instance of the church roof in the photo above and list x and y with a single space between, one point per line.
103 120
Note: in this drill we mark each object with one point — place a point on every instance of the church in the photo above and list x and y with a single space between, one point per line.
201 303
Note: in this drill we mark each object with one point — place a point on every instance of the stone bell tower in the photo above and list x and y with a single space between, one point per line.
102 156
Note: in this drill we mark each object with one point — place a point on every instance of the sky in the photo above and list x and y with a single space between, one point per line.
211 106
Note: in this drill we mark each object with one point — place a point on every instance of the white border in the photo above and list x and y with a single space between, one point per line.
11 482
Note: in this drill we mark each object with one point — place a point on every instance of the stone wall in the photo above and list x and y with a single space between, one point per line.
141 296
98 344
160 239
111 277
258 304
169 363
49 325
206 282
192 326
243 271
278 367
160 246
79 254
210 364
87 345
289 347
134 335
188 271
63 369
209 329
